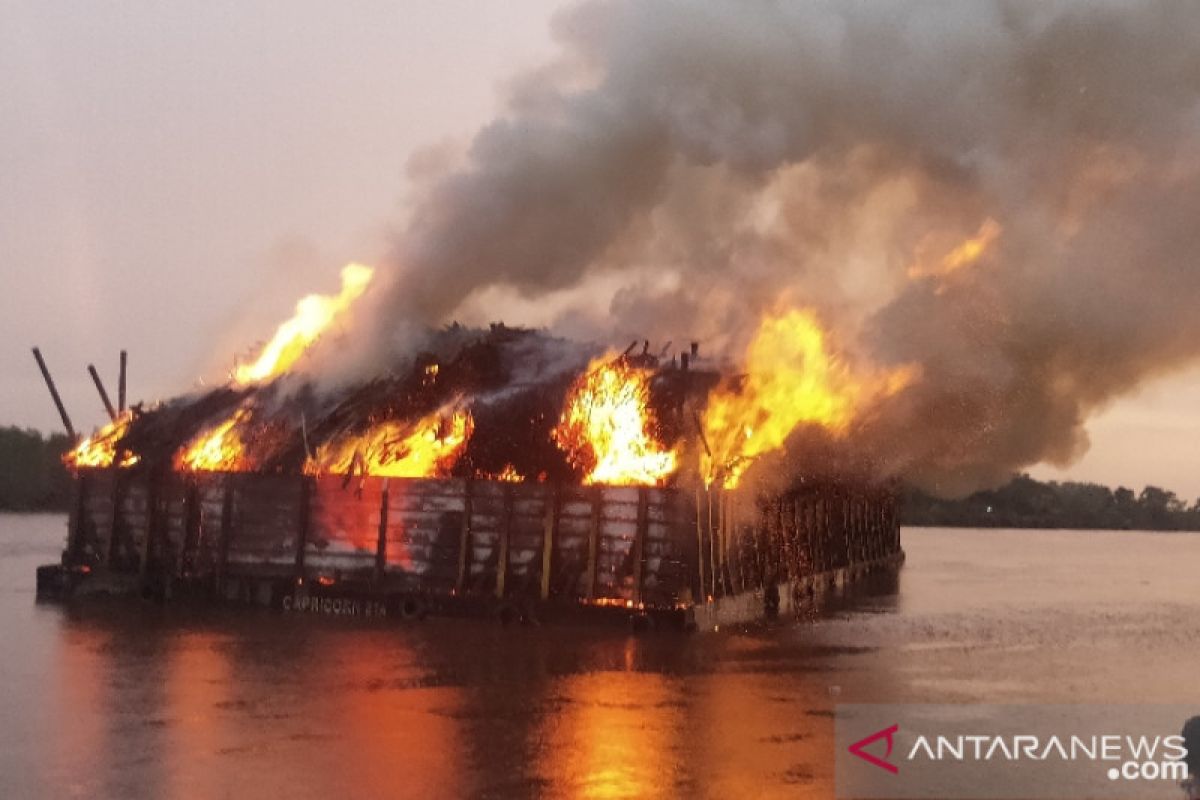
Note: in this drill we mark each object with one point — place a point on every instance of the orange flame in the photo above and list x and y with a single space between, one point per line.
314 314
792 378
507 475
220 448
964 255
427 448
100 449
605 427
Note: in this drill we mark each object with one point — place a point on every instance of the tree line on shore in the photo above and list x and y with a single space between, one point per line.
32 475
33 478
1027 503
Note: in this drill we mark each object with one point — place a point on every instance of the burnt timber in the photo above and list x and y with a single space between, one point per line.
458 546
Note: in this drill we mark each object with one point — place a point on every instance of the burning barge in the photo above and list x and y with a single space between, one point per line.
499 473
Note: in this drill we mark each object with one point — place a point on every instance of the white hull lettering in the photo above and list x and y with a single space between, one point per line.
334 606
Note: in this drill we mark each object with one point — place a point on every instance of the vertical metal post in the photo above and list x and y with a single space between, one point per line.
549 533
594 542
726 542
58 403
77 525
712 549
121 382
639 542
464 540
117 521
787 534
226 535
191 528
804 537
151 548
381 541
302 524
820 531
848 529
722 543
733 559
506 516
700 544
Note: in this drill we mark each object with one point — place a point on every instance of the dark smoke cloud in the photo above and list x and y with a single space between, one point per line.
718 156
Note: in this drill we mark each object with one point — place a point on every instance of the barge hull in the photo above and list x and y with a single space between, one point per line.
379 547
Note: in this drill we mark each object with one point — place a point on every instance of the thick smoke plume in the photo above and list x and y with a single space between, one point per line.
687 166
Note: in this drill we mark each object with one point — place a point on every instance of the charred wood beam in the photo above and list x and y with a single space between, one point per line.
58 403
108 406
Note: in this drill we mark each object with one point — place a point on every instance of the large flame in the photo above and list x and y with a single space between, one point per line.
100 449
220 448
791 378
314 314
606 427
427 448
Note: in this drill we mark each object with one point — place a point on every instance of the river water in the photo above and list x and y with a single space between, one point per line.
127 700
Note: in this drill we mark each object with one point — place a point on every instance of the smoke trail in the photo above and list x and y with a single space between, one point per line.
710 158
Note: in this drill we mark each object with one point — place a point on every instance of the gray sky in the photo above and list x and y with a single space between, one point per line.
175 176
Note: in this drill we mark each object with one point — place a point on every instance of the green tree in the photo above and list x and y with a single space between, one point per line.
32 475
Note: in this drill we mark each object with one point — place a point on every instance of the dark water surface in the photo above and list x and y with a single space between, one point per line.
131 700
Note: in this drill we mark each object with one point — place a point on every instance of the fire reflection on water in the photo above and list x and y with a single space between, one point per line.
607 745
80 731
199 679
397 735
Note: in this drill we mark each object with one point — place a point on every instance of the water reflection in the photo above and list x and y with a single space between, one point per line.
617 735
176 702
132 700
198 681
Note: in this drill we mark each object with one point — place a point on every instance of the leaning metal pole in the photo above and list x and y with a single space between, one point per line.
108 406
58 403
